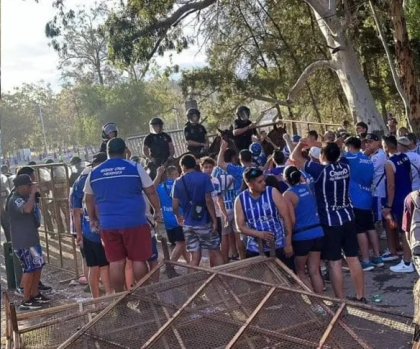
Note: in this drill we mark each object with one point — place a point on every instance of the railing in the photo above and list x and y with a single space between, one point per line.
135 143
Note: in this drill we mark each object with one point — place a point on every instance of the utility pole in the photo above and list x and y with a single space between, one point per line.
41 118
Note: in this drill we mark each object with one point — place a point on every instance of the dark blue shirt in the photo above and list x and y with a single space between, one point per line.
164 191
332 192
191 190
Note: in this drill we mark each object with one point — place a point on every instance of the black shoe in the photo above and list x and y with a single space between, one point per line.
43 287
31 304
360 300
40 298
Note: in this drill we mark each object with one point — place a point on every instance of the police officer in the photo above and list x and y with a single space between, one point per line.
157 146
195 134
243 128
110 131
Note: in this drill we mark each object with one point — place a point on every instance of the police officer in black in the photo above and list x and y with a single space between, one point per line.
109 131
195 134
157 146
243 128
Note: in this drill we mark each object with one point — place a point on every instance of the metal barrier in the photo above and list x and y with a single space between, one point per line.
135 143
59 244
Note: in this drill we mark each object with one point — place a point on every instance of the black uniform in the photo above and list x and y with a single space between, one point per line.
197 133
159 147
244 140
102 149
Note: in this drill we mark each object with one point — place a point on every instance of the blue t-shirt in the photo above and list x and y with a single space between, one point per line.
236 172
402 166
193 186
77 202
164 191
332 192
361 180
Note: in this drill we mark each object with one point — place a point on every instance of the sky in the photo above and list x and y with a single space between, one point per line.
25 54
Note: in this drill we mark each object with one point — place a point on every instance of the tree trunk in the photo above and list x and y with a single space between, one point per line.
346 65
405 61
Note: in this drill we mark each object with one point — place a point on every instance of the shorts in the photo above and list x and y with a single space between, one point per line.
340 238
376 209
175 235
363 219
30 258
94 253
230 228
132 243
303 247
201 237
155 253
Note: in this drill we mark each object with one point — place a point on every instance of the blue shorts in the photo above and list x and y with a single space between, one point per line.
31 258
155 254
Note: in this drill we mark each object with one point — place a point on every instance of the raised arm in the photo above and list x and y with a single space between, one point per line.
220 160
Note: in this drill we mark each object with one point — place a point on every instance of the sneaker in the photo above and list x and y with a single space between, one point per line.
401 267
389 257
19 291
43 287
32 304
378 262
360 300
41 298
367 266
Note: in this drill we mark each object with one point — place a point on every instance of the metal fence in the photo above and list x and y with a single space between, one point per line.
58 243
255 303
135 143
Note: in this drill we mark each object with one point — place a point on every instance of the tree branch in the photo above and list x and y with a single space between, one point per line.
309 70
266 99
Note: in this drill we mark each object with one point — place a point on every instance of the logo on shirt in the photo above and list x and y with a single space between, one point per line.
341 174
113 171
19 202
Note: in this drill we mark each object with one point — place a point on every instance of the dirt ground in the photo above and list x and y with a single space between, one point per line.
394 290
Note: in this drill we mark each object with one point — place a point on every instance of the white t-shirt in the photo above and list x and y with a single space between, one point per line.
215 194
415 169
379 159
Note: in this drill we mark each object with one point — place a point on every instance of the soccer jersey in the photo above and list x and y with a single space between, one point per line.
307 224
361 179
262 215
379 159
227 188
164 191
332 192
402 169
415 169
236 172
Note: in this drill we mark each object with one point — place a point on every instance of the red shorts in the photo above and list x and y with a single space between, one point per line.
132 243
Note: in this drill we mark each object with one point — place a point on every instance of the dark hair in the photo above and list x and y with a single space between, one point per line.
25 170
331 151
390 141
362 124
354 142
412 137
245 155
272 181
313 133
278 157
228 155
171 169
208 160
251 173
292 175
188 161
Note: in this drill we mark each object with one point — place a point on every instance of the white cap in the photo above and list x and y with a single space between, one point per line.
315 152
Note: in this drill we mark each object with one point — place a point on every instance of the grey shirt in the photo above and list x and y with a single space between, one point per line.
23 226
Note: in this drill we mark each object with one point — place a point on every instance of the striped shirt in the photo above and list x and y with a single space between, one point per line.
332 192
262 215
227 187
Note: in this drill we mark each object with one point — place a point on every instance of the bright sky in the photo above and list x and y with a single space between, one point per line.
26 56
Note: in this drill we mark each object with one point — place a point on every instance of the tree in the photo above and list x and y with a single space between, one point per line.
149 26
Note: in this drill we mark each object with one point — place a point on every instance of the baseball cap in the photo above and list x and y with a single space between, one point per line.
99 158
404 141
22 179
116 146
372 137
315 152
75 160
296 138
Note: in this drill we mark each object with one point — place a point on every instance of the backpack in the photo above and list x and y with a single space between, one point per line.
415 225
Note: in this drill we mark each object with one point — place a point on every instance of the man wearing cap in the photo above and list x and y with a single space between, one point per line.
116 208
89 242
77 168
262 213
404 145
24 224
